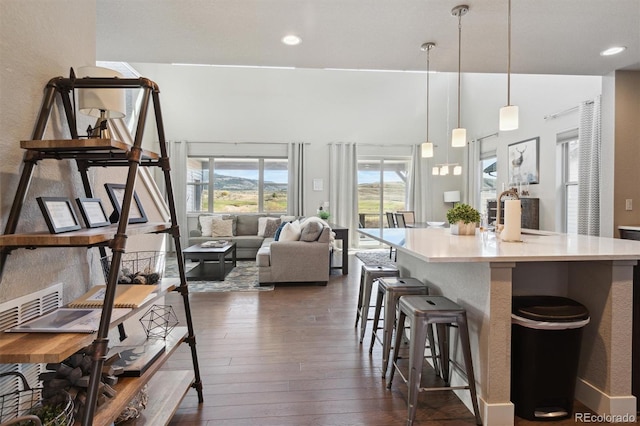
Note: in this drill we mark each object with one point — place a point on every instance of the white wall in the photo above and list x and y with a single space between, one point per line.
209 104
37 46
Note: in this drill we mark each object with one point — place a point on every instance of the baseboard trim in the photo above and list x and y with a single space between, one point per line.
604 404
497 414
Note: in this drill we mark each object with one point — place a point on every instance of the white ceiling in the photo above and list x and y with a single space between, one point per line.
548 36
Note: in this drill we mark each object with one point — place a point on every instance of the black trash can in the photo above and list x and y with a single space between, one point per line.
546 334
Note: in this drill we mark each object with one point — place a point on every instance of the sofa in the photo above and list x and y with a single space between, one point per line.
301 260
244 231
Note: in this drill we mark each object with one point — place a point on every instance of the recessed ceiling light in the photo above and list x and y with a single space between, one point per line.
613 50
291 40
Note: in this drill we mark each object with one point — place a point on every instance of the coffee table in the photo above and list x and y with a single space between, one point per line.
214 265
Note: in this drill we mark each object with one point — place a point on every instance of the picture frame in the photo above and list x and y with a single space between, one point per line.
58 214
116 196
524 161
92 212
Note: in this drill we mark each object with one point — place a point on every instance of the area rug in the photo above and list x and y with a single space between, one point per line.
375 257
244 277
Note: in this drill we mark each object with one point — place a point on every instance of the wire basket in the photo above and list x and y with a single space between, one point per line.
138 267
27 407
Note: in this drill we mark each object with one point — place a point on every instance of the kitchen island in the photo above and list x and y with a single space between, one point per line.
482 274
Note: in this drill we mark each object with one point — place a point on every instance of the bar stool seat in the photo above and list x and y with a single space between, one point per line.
389 291
422 311
368 274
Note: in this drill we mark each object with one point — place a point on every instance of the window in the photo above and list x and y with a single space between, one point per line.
488 179
254 185
382 187
570 184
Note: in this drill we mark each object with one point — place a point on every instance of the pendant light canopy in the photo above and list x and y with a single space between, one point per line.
459 135
427 147
509 113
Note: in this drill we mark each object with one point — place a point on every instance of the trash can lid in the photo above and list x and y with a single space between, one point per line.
549 309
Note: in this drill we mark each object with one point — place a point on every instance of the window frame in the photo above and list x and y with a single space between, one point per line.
211 180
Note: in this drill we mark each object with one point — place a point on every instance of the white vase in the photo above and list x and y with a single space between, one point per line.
461 228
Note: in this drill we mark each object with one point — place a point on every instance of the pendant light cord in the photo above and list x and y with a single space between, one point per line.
459 60
509 58
428 51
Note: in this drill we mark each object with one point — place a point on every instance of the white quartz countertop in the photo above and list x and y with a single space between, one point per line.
439 245
630 227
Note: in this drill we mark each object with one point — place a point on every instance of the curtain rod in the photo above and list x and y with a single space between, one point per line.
480 139
244 143
566 111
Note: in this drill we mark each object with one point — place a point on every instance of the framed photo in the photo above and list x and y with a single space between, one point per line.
116 196
524 163
92 212
59 214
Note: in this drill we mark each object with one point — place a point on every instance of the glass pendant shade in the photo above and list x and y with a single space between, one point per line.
444 170
427 150
459 138
509 117
457 170
435 171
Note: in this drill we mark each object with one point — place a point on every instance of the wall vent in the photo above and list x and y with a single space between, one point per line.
21 309
12 313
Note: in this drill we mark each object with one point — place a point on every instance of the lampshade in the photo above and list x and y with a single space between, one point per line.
427 150
457 170
459 137
444 170
108 103
435 171
451 196
509 117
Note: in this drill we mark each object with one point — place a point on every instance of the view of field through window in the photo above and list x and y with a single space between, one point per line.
251 185
382 187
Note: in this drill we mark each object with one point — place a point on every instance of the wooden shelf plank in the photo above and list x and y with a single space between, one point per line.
69 147
166 391
80 238
56 347
128 387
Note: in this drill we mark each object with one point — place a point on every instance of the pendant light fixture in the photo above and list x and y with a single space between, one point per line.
427 147
509 113
459 135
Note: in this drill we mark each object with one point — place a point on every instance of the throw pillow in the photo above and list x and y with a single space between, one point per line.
311 231
206 225
271 228
262 226
276 236
222 228
231 217
290 232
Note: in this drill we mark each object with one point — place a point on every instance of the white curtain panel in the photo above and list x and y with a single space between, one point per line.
178 159
590 137
418 188
296 156
343 187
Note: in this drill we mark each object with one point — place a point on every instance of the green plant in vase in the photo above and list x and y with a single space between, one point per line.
323 214
463 219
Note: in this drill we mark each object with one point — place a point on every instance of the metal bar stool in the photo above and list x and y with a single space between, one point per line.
368 274
389 290
423 311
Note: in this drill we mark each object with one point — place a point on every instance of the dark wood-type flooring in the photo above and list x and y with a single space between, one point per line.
292 357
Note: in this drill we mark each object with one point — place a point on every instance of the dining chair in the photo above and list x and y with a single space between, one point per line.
391 222
400 220
409 216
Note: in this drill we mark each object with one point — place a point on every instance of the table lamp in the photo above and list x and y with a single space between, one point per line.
452 197
101 103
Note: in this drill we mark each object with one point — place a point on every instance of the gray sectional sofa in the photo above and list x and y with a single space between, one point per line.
277 261
245 233
295 261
